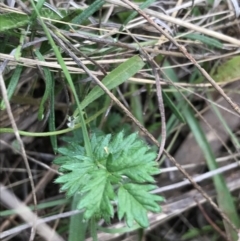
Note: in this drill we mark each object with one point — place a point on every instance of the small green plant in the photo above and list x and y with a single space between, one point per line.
118 172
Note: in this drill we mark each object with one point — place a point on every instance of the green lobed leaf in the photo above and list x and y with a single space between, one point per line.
134 202
75 180
62 160
99 193
132 158
118 162
99 146
118 143
72 149
139 169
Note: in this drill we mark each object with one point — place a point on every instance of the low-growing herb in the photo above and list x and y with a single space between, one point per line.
119 172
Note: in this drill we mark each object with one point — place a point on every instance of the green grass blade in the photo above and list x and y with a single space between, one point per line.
88 12
224 197
69 79
39 207
145 4
63 25
12 20
39 6
170 75
233 137
136 104
12 84
70 82
51 121
68 18
204 39
173 107
119 75
48 87
60 132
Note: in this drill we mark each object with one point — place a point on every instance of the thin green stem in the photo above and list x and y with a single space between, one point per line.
93 229
69 79
52 133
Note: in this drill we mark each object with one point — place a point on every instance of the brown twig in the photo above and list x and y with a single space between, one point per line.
204 194
180 22
154 67
40 186
210 221
160 107
130 115
16 132
185 52
27 215
235 107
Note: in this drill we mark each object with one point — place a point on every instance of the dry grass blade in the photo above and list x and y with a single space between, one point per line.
189 54
16 132
182 23
211 222
169 210
216 86
172 209
26 214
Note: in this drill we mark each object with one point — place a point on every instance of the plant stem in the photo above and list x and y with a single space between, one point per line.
93 229
69 79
